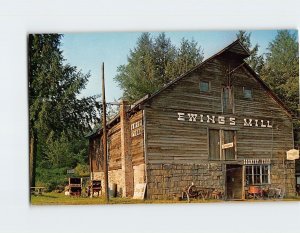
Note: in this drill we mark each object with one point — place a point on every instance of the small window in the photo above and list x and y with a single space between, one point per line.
247 93
204 86
257 174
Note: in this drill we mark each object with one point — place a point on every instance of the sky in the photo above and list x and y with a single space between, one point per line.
87 51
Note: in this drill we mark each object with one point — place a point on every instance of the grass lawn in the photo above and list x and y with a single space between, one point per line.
60 199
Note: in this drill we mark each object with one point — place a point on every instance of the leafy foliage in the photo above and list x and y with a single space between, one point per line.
82 170
281 70
53 90
155 62
58 119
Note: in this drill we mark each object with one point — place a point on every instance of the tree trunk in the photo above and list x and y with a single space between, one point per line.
32 157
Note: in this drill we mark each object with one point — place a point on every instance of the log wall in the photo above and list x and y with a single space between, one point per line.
137 138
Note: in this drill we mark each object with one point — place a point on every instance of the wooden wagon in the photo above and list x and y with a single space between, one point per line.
75 186
205 193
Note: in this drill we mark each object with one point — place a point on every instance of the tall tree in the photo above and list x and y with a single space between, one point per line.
281 70
189 54
137 78
164 54
254 60
153 63
54 106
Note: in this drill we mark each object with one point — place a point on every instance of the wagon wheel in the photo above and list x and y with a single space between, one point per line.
192 191
185 195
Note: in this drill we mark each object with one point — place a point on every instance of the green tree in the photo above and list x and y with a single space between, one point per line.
54 106
281 70
254 60
155 62
164 55
188 56
137 78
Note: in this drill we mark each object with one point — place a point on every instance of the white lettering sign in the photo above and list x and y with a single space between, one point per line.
227 145
136 128
248 123
257 161
222 120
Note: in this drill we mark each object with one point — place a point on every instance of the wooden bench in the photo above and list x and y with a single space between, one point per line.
37 190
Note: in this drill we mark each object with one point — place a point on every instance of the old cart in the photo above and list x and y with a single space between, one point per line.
75 186
261 192
95 187
205 193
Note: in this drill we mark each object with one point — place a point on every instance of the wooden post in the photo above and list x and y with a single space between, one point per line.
126 159
91 148
243 182
105 167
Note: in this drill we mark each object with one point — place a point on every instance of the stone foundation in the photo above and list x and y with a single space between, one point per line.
166 181
283 177
114 177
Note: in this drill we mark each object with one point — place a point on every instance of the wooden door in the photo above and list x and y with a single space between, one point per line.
234 182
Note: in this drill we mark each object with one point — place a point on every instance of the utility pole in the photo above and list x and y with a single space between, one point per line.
105 167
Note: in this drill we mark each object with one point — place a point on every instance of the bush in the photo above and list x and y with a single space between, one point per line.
52 178
82 170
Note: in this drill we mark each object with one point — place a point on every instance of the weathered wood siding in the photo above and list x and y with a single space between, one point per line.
114 150
173 141
95 152
114 147
137 141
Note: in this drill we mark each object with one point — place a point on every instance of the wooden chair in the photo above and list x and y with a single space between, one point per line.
96 187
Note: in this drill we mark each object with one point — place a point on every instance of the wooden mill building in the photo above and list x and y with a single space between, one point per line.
218 126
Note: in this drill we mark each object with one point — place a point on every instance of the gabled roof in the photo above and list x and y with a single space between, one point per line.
235 48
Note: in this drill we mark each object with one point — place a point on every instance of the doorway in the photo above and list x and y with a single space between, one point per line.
234 181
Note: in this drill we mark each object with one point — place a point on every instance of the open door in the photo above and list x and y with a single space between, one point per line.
234 182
